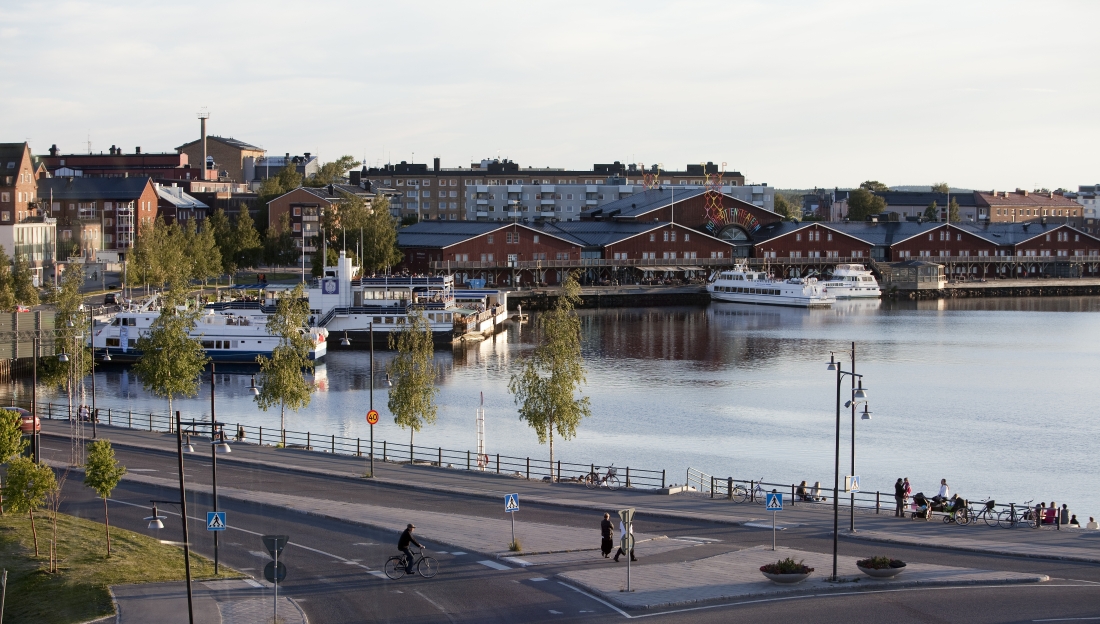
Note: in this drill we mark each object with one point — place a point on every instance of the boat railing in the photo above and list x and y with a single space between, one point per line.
221 306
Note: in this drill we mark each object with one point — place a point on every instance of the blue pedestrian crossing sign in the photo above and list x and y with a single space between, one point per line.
215 521
851 484
773 501
511 503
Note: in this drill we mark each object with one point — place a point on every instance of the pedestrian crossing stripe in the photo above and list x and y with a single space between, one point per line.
215 521
511 503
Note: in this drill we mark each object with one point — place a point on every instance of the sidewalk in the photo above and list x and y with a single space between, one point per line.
737 575
1067 544
228 602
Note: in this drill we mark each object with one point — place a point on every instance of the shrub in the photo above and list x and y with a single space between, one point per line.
880 563
787 566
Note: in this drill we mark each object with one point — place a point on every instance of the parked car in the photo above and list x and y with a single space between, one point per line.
110 299
30 423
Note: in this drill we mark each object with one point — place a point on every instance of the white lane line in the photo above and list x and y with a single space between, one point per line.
1080 619
142 470
436 605
457 554
537 579
599 600
233 528
494 565
516 560
697 539
252 583
377 573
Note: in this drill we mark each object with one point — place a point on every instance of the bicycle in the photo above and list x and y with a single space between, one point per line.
987 513
610 480
741 493
1009 518
396 565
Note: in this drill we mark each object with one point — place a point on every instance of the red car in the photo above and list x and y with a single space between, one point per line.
30 423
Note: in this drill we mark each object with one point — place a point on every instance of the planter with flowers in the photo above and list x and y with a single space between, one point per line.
881 567
787 571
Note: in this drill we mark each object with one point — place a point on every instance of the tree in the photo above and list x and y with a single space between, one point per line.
413 372
27 487
874 186
546 387
863 203
279 247
11 441
224 236
315 260
204 249
246 240
170 359
102 473
333 172
941 187
789 206
281 379
7 288
380 238
70 323
933 212
23 281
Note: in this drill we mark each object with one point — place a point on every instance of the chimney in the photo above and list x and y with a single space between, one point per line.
202 128
53 150
307 156
137 150
435 164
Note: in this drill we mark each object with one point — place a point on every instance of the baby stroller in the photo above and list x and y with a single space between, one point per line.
924 507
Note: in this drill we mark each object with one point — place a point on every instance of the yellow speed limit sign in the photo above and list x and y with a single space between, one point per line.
372 417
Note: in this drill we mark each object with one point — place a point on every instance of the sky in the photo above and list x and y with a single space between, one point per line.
795 94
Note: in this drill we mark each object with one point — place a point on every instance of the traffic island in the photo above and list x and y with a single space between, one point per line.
737 575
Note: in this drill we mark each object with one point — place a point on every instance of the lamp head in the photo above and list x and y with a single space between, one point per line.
253 389
861 394
832 363
344 342
155 523
866 413
222 447
63 357
106 357
188 448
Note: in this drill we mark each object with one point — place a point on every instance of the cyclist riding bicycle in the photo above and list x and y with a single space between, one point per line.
403 545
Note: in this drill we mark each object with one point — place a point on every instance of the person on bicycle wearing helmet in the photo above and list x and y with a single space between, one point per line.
403 545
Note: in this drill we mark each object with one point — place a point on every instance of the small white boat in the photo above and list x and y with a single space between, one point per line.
852 281
740 285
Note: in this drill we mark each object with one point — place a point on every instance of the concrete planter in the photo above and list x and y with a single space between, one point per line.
881 573
787 579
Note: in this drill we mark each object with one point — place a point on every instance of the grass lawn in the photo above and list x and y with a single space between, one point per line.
78 591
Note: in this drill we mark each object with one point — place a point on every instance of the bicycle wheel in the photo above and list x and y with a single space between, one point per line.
740 494
1005 519
962 518
1033 521
395 567
759 496
990 518
612 483
428 567
589 481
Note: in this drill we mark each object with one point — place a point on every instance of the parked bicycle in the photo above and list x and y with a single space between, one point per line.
741 493
986 512
610 479
1014 515
397 565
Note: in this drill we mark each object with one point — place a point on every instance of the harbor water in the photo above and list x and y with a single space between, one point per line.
993 395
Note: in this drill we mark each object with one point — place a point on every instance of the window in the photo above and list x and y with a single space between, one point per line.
454 183
5 216
857 253
649 255
297 227
798 237
411 193
673 235
719 254
426 183
829 236
562 256
687 237
454 217
535 238
297 211
66 235
5 197
796 254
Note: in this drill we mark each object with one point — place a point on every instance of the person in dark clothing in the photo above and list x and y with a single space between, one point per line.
899 498
605 535
403 545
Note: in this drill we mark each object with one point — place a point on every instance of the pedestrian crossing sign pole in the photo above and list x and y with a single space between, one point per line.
773 503
511 506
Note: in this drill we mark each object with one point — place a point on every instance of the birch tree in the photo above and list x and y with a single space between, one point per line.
171 360
546 388
413 373
102 473
11 441
26 489
281 380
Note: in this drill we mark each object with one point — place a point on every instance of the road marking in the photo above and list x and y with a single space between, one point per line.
1068 619
436 605
377 573
253 583
518 561
698 539
142 470
599 600
365 544
761 525
555 612
494 565
537 579
442 552
457 554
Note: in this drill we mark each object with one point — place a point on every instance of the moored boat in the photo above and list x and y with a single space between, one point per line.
852 281
741 285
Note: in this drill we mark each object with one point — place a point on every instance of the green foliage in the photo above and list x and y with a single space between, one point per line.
26 489
279 247
787 566
545 389
23 281
379 243
953 210
281 380
862 203
315 261
413 372
881 562
11 441
247 244
874 186
941 187
170 256
934 213
789 206
68 340
171 360
335 172
102 473
7 286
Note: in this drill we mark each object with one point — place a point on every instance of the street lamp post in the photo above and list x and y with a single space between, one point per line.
156 521
858 394
372 397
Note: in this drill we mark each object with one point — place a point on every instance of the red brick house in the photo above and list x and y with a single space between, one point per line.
943 240
98 213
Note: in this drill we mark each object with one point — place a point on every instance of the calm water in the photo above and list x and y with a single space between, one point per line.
993 395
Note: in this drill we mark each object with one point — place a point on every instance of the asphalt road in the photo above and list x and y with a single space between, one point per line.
328 578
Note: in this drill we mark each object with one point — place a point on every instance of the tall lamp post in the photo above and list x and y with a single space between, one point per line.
859 394
865 415
157 521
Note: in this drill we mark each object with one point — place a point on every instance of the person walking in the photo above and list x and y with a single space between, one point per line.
605 536
622 536
899 498
403 545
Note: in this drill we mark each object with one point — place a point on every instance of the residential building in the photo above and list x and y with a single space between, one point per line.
98 213
912 204
1025 206
231 159
19 173
265 167
115 164
305 207
1086 196
451 194
176 206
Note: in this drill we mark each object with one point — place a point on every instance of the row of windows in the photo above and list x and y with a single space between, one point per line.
1035 212
747 291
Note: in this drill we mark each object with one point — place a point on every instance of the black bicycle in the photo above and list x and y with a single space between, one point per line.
987 511
397 565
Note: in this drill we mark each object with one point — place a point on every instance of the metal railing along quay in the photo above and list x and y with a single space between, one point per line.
395 452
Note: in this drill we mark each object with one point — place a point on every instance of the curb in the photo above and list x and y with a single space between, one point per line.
798 593
974 549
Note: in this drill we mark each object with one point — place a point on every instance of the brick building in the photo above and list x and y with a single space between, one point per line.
19 173
231 159
177 206
98 213
780 240
1021 206
305 207
115 164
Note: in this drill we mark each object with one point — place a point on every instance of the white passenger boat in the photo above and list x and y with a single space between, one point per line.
740 285
852 281
227 337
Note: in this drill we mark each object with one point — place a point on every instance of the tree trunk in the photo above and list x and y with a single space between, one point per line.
34 533
282 416
107 524
552 478
2 498
171 415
